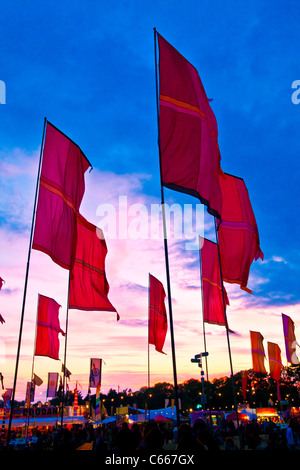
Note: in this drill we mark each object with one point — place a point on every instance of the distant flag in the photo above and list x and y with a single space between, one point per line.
48 328
37 380
244 383
61 191
95 372
1 380
30 389
157 316
60 389
258 352
65 371
213 305
1 282
98 399
2 319
290 339
52 384
275 364
75 404
189 151
238 233
88 283
7 397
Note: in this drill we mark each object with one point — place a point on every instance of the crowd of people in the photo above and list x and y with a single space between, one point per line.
156 437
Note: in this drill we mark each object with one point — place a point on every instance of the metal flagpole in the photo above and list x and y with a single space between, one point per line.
204 333
25 286
226 324
166 246
148 335
32 369
65 353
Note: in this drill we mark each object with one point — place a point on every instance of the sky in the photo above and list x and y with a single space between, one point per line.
90 70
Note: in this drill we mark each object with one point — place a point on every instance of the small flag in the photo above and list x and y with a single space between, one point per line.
65 371
52 384
95 372
244 383
213 304
30 389
48 328
275 363
2 319
290 339
75 405
1 282
1 379
258 352
7 397
98 399
157 321
37 380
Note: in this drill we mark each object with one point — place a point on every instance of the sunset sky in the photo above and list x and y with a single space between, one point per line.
89 68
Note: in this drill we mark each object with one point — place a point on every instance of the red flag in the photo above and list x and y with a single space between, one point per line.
157 325
2 320
1 282
213 305
275 364
48 328
88 284
60 194
190 157
238 233
258 352
290 339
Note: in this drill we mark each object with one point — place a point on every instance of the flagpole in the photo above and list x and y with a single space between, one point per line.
32 368
166 244
25 285
226 324
65 353
204 333
148 335
201 283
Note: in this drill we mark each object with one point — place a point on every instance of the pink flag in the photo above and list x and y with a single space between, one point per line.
158 325
213 305
48 328
88 283
238 233
190 157
60 194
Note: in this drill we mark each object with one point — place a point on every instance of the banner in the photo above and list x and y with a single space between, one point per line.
48 328
157 315
189 150
95 372
52 384
258 352
290 339
61 190
30 389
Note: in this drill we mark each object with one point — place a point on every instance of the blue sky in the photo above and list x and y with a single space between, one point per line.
89 68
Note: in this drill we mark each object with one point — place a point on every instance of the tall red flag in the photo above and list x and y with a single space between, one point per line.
157 325
213 305
88 284
258 352
60 194
290 339
275 363
190 157
238 233
48 328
